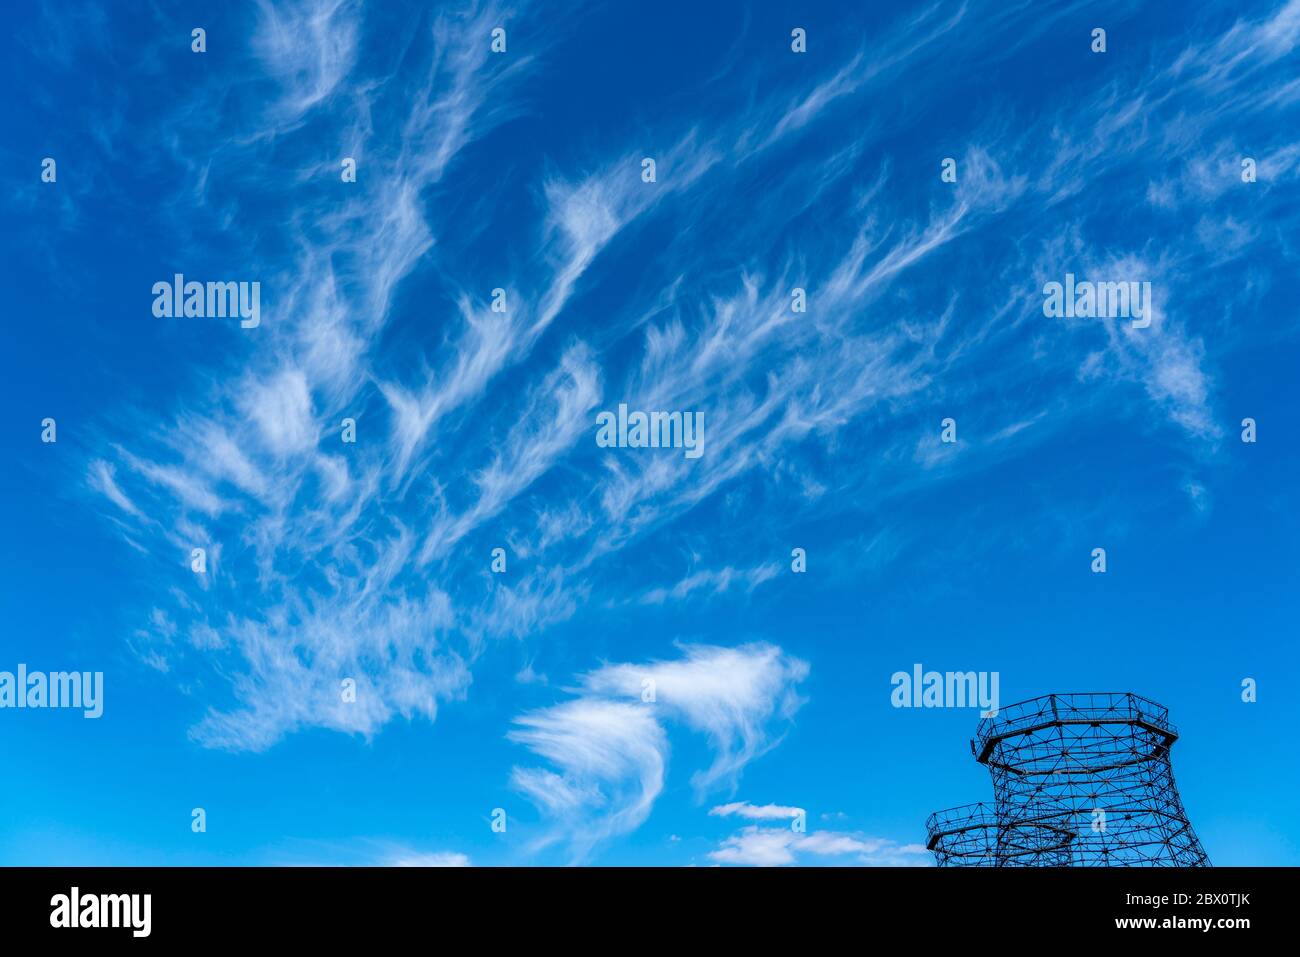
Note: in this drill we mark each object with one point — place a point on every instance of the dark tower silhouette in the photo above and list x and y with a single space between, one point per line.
1079 780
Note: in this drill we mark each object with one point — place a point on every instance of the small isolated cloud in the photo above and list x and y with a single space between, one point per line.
1198 494
755 812
100 476
430 859
712 582
758 846
528 676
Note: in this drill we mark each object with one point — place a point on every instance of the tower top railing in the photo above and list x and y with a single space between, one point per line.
1086 707
979 832
957 819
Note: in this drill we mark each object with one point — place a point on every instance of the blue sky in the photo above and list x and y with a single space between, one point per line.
476 429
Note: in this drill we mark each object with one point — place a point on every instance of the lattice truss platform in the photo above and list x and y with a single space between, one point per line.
1079 780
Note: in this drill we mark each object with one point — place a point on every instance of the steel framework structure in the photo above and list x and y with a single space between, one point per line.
1079 780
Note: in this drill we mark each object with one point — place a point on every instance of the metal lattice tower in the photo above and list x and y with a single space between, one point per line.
1080 780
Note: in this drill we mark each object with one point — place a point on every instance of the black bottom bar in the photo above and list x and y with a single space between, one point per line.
733 906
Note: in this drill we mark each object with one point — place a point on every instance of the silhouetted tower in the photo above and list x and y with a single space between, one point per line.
1079 780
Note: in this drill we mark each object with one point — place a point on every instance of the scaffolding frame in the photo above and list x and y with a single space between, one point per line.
1079 780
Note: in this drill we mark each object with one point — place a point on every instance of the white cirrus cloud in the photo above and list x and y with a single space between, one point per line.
731 695
609 746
